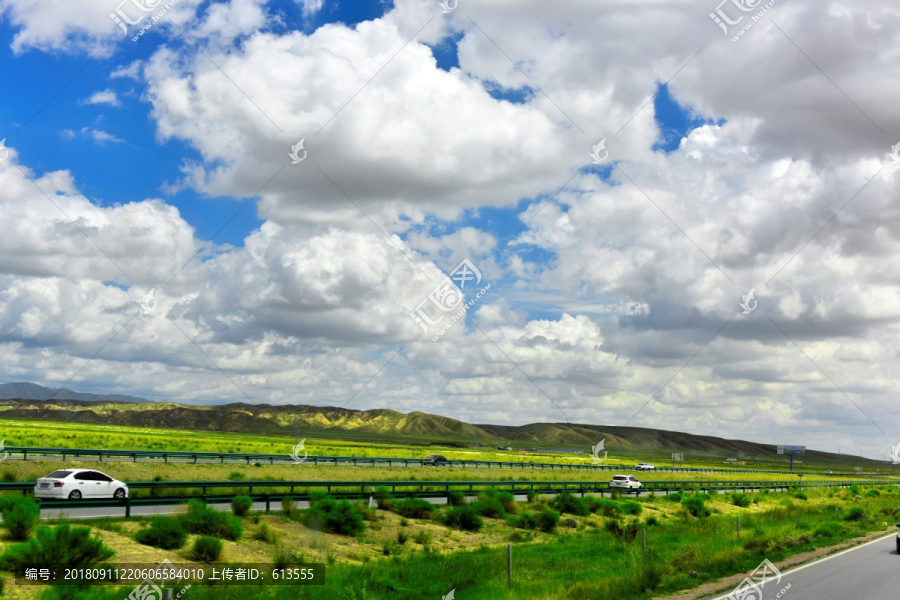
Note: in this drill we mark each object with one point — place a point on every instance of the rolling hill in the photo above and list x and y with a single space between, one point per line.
383 425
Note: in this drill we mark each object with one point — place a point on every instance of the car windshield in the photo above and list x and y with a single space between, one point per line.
620 477
59 474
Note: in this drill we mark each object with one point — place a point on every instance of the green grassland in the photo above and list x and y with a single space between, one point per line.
592 556
87 435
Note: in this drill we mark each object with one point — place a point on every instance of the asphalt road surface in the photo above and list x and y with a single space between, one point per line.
867 572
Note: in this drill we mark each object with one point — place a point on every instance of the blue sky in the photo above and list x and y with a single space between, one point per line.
619 300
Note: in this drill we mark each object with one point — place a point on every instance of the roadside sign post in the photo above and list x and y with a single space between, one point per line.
791 451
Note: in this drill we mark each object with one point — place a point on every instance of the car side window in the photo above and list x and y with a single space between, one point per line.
83 476
101 477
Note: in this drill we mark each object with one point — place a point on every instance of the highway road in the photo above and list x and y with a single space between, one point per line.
867 572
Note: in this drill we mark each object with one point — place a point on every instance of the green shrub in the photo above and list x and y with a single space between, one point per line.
20 516
801 496
463 517
206 521
742 500
415 508
872 494
8 476
456 498
236 476
854 489
164 532
632 508
547 520
334 516
531 496
492 497
206 549
567 503
525 521
607 508
288 506
695 506
489 507
402 537
856 514
62 545
676 497
241 505
651 521
368 514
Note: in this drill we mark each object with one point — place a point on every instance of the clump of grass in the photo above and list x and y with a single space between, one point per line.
20 516
402 537
334 516
206 549
266 534
741 500
547 520
209 522
236 476
695 506
241 505
164 532
423 537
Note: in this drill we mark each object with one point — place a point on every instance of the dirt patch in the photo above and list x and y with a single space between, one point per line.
728 583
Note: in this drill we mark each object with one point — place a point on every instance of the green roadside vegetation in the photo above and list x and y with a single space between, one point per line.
563 547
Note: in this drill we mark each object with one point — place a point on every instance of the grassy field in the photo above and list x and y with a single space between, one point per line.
18 470
414 558
79 435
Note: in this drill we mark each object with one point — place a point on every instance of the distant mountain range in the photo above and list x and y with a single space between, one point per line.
33 391
34 403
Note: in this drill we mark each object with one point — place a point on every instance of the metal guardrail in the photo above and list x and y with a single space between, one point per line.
426 489
184 455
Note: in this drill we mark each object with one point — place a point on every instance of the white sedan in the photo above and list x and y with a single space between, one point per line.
629 482
645 467
75 484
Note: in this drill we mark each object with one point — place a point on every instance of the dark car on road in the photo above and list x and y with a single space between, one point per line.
435 460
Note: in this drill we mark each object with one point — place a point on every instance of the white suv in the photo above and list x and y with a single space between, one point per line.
645 467
629 482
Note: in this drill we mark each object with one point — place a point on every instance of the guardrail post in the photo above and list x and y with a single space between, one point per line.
133 457
166 458
101 456
267 502
24 454
127 507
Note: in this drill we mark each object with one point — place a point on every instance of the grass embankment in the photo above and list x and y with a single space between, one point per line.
594 551
81 435
17 470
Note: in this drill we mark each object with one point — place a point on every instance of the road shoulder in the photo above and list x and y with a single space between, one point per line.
710 589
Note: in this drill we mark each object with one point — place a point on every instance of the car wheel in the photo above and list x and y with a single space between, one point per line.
75 495
119 494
